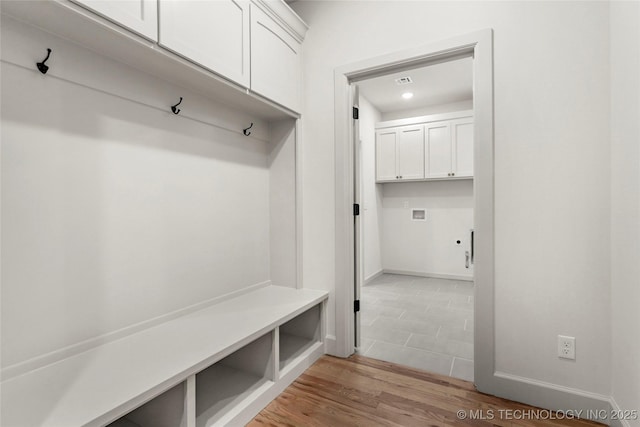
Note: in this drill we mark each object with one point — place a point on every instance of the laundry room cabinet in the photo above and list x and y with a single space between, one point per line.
400 153
449 149
425 148
462 147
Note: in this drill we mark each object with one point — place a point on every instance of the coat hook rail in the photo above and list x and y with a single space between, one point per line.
42 67
175 108
246 131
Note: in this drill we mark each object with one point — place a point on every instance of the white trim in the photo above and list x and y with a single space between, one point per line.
286 17
72 350
616 408
478 44
373 277
425 119
298 196
554 397
330 344
427 274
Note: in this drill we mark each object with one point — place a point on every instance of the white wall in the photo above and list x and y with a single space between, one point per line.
371 192
552 172
114 210
625 203
282 204
428 247
432 109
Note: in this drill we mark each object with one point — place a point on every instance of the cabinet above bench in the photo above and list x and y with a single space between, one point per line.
240 52
425 148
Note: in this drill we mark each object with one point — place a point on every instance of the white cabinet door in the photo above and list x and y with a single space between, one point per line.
410 152
275 61
139 16
386 155
213 34
438 150
462 147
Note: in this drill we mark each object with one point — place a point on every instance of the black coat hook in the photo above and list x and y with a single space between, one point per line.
175 108
246 131
42 66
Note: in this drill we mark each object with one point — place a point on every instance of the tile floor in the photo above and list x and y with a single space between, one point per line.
420 322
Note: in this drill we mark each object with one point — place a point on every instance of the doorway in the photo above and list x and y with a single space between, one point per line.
414 183
478 46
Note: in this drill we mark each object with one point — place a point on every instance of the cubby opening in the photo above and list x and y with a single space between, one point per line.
298 335
165 410
225 388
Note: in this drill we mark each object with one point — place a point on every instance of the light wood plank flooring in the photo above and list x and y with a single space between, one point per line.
360 391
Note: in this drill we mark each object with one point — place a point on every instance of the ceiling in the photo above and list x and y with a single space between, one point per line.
436 84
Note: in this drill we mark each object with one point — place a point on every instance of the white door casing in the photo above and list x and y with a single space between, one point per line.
478 45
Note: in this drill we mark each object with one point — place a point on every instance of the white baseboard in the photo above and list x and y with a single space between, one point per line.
554 397
616 410
372 277
433 275
63 353
330 345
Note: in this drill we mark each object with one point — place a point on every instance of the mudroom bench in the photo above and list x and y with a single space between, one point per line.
217 366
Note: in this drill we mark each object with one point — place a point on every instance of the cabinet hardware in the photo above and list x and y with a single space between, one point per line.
466 259
246 131
175 108
42 66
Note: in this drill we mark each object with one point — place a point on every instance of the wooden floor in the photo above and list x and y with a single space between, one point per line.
360 391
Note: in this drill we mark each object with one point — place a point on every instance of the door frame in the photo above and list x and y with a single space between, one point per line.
479 46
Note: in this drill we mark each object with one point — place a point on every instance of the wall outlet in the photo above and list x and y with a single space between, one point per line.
566 347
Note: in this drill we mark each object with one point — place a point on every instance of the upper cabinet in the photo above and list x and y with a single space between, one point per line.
386 163
213 34
275 60
437 155
139 16
247 43
425 148
462 147
400 153
245 53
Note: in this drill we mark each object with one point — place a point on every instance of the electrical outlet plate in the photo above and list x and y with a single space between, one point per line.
566 347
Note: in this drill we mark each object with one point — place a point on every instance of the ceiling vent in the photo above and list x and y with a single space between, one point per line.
404 81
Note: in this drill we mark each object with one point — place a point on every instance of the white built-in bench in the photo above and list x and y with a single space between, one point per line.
217 366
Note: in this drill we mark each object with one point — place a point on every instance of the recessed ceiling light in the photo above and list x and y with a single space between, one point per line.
407 95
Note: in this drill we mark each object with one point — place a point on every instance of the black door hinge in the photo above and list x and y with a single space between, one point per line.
356 113
356 209
356 306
